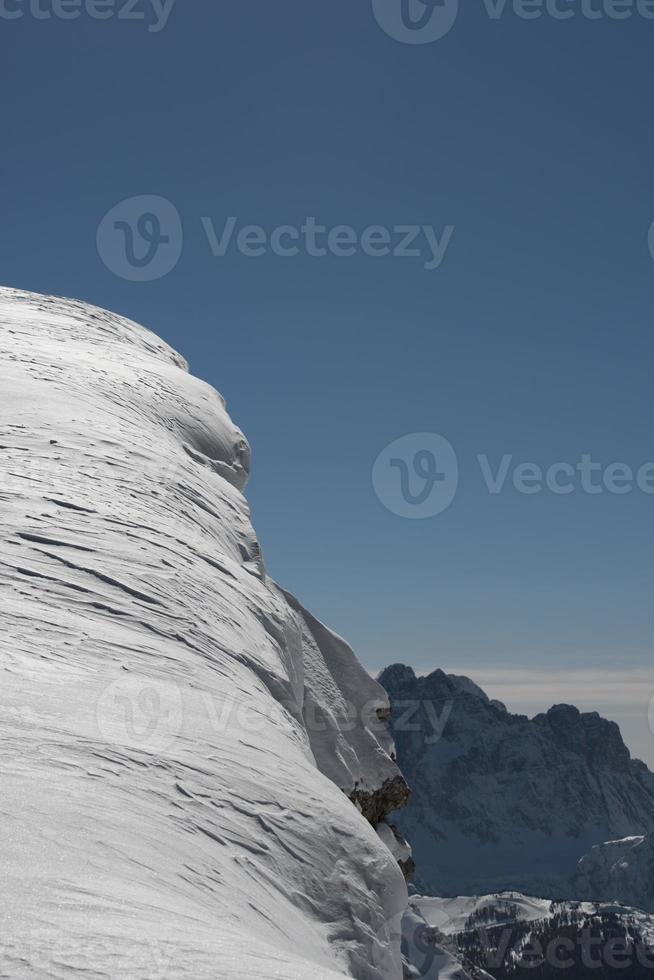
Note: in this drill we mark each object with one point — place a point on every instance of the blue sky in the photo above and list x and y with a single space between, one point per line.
532 140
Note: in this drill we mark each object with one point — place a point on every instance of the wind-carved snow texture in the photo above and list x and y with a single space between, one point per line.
168 808
501 801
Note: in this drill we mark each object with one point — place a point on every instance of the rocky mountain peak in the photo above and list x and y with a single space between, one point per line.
503 801
595 738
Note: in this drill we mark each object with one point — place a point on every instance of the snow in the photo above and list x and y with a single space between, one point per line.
427 952
450 915
433 928
170 807
429 959
400 848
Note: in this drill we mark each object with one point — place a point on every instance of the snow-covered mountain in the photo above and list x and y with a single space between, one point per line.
175 763
509 935
500 801
618 871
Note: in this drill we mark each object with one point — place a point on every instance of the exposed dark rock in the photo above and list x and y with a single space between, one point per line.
376 805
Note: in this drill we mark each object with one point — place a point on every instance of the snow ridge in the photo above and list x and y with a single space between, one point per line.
168 807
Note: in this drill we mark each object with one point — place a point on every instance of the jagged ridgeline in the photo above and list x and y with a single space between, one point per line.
500 801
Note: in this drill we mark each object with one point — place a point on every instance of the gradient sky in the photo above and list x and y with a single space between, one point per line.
532 338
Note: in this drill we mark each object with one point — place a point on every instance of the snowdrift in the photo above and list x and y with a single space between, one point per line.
180 797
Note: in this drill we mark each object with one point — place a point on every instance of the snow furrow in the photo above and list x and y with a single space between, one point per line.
167 809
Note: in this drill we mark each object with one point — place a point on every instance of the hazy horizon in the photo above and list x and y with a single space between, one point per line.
620 695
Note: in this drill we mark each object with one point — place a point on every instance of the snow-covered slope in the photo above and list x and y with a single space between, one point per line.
429 955
170 806
500 801
619 871
454 915
508 934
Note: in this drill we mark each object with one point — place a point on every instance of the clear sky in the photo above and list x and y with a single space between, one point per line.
525 148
